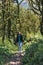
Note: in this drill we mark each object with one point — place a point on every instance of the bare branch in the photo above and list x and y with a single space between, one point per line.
21 2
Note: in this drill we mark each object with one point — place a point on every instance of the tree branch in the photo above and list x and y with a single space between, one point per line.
21 2
36 12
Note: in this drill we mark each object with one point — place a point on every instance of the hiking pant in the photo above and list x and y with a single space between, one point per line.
20 46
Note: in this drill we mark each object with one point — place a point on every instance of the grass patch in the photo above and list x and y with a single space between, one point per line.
7 49
34 53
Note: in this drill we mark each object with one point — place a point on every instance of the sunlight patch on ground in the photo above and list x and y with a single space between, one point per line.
15 63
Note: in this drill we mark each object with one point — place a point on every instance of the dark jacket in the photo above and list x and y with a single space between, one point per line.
19 36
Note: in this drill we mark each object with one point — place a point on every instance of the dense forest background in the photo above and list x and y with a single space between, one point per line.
14 18
25 16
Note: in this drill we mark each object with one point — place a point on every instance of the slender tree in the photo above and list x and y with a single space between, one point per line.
18 12
9 20
3 17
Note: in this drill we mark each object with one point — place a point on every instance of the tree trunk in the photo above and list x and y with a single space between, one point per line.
4 25
41 29
9 27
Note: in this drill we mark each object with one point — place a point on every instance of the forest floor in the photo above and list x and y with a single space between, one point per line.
16 59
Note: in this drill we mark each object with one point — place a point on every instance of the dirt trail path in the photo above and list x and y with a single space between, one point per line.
16 59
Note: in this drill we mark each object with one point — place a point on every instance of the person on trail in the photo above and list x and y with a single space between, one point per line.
19 41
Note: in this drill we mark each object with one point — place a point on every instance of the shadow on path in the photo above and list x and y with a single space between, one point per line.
15 59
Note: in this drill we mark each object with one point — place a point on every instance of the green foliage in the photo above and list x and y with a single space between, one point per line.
14 18
37 8
26 22
34 54
7 49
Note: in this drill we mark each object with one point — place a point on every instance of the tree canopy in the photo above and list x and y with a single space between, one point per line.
37 8
14 18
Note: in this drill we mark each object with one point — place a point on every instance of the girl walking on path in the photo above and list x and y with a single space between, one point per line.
19 41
